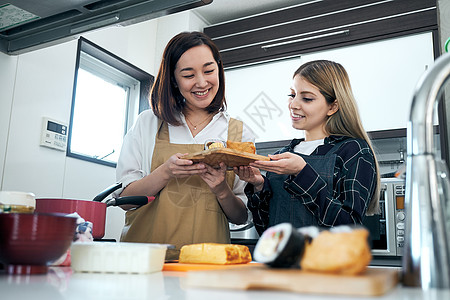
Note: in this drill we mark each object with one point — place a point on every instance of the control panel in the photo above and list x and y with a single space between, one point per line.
54 134
400 216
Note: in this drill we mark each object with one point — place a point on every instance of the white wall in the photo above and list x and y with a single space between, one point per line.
39 84
382 74
7 78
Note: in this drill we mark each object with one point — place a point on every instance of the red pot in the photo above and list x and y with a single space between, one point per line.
92 211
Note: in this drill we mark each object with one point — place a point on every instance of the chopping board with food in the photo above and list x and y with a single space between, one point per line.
233 154
373 282
305 260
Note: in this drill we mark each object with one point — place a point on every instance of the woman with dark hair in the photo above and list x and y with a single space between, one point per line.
193 202
331 176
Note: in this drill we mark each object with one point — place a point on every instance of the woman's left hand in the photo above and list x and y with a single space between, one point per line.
285 163
215 178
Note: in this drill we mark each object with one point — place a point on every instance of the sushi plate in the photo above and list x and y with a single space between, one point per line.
373 282
181 267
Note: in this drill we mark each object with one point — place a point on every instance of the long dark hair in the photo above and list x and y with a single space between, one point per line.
165 97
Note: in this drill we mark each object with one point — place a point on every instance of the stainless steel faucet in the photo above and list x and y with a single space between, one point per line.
426 260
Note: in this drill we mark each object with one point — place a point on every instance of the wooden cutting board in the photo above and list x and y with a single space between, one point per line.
374 282
180 267
231 157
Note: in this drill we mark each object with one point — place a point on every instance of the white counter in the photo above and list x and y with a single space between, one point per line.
62 283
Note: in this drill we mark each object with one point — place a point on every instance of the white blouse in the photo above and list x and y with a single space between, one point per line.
137 149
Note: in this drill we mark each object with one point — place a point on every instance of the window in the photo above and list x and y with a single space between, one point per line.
108 95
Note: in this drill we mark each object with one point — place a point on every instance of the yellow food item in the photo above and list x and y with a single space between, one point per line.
215 145
212 253
248 147
338 252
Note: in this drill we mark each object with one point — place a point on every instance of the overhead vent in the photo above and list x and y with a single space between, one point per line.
27 25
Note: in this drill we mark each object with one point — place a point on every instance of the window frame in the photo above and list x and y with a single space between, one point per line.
86 47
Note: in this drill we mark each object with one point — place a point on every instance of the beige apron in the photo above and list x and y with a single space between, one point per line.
185 211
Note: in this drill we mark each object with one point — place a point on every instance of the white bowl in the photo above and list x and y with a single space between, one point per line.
110 257
17 198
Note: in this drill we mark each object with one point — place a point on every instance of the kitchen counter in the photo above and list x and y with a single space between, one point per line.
62 283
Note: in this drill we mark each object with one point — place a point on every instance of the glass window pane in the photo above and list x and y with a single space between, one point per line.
99 117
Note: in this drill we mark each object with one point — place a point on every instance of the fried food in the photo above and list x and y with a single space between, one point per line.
248 147
215 145
338 252
212 253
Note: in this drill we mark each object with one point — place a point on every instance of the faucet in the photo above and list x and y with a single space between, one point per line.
426 258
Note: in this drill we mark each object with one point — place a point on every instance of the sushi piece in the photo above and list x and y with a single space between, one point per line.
281 246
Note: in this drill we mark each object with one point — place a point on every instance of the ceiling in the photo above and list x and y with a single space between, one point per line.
225 10
32 24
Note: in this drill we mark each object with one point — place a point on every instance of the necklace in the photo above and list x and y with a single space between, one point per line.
195 126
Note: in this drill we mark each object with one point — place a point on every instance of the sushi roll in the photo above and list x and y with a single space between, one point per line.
280 246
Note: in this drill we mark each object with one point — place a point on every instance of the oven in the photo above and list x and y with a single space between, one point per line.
244 234
387 230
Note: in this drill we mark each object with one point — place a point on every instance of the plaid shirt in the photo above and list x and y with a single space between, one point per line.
354 183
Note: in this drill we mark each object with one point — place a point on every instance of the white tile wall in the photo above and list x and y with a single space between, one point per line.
39 84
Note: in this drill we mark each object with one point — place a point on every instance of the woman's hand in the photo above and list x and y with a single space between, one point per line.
153 183
177 167
251 175
232 206
285 163
216 179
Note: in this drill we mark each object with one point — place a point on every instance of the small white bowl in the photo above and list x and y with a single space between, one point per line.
17 198
110 257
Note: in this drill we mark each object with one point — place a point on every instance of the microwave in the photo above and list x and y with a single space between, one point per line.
387 229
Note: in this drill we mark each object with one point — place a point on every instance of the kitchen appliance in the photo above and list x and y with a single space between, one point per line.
387 229
243 232
426 262
92 211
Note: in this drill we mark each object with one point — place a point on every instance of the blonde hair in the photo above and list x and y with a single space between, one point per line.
333 83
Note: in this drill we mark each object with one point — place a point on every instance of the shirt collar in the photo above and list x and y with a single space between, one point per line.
220 114
329 140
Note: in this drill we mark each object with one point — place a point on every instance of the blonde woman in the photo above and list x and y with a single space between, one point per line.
331 176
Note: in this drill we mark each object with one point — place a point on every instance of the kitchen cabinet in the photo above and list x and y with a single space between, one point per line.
319 25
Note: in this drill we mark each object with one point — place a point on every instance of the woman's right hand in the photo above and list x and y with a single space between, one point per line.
153 183
177 167
251 175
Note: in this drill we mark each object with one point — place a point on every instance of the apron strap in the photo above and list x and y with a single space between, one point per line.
163 131
235 129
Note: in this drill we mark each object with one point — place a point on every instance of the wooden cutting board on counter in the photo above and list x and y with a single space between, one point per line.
180 267
231 157
374 282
